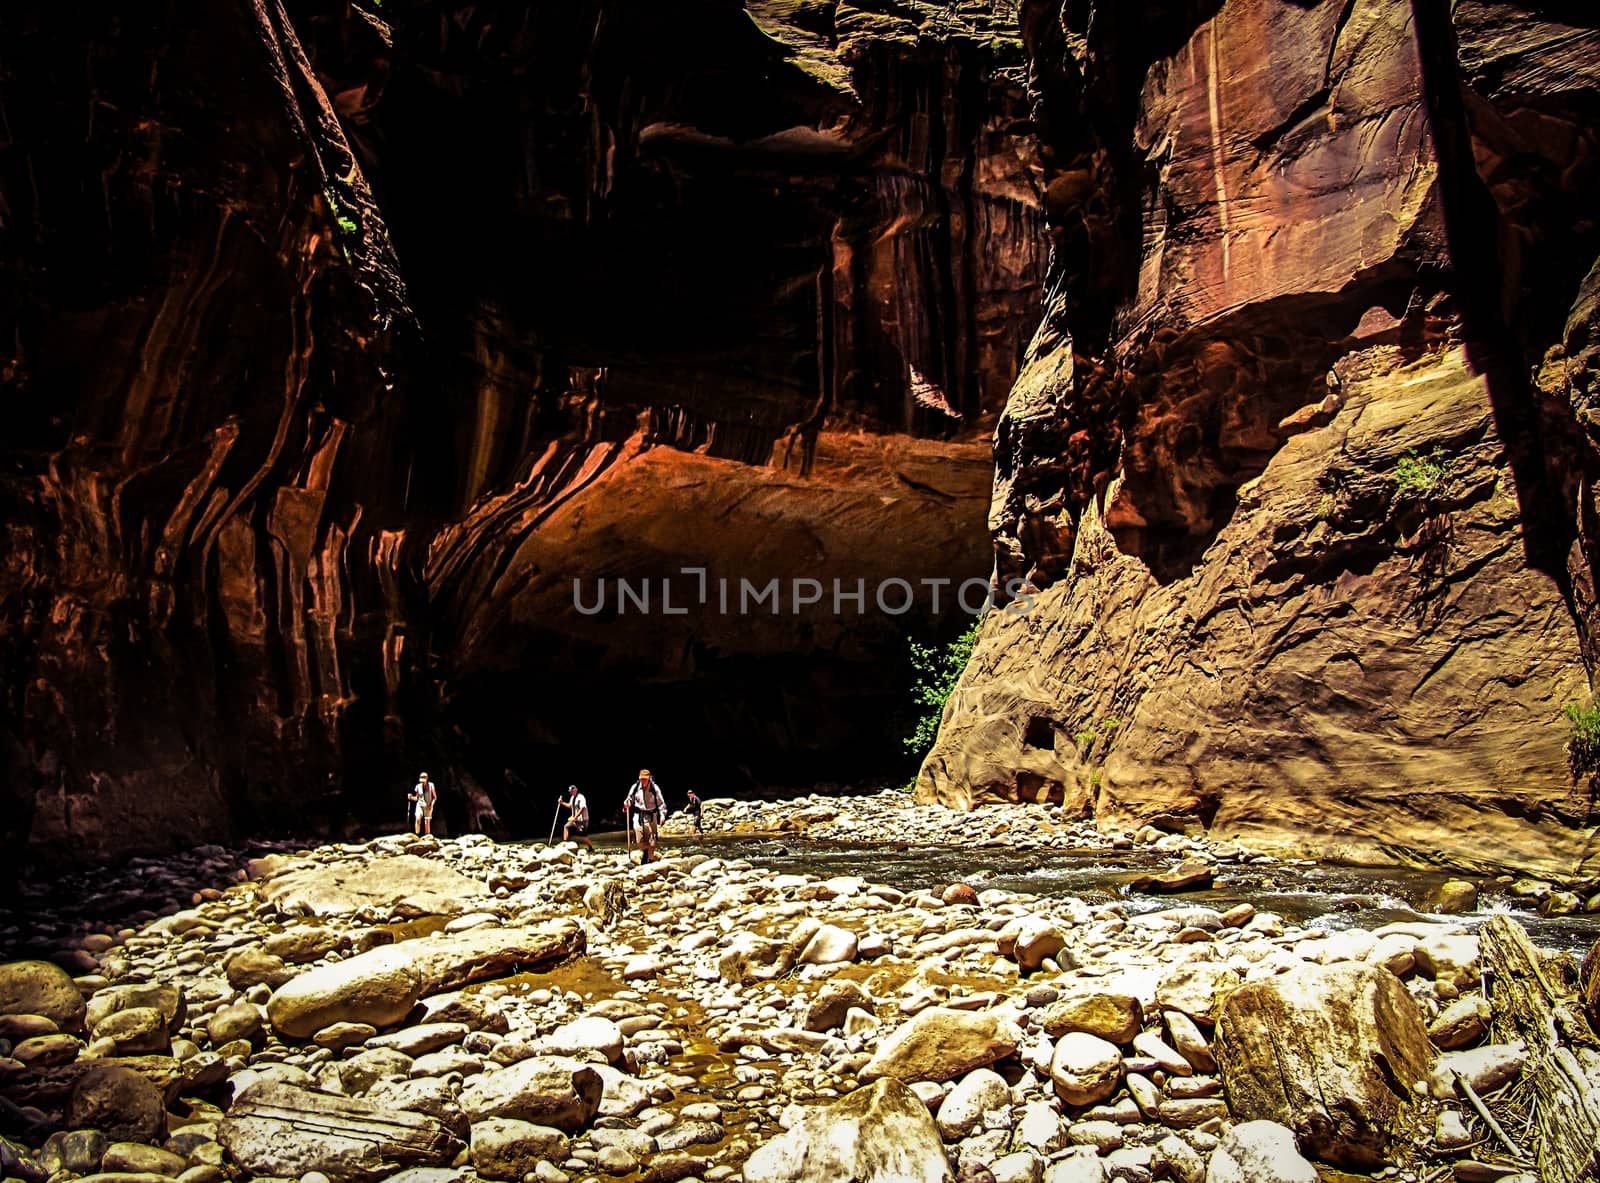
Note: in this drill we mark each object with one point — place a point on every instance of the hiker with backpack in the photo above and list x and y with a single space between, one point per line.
645 808
578 824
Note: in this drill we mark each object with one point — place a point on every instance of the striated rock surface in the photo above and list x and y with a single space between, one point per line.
734 286
1306 556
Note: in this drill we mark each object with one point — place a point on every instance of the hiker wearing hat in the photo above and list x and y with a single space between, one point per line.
645 807
578 824
423 797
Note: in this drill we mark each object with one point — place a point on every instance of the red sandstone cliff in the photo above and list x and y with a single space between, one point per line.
1314 557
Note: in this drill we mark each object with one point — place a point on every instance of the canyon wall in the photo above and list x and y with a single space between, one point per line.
1299 468
343 336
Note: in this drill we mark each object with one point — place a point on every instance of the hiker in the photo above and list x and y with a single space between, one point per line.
578 824
693 810
425 795
644 806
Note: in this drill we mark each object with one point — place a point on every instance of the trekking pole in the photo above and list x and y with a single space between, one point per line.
553 822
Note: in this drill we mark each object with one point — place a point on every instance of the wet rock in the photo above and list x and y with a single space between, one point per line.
1190 875
118 1101
381 986
1116 1018
543 1090
1452 897
507 1149
878 1134
941 1044
40 988
1327 1051
1085 1068
959 893
282 1131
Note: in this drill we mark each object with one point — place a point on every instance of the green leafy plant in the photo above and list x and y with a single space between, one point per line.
1583 745
1089 735
936 669
1419 477
344 220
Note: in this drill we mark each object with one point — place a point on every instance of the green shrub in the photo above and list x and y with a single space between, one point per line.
1583 745
1089 735
935 670
1418 477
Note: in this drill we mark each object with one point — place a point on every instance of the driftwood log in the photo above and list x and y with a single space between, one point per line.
1563 1073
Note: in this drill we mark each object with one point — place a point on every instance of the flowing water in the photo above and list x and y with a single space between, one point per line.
1318 895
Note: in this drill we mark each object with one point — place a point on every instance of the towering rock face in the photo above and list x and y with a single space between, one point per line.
1306 555
345 337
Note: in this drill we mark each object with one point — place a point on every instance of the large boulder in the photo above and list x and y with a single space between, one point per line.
278 1130
942 1044
1331 1052
377 884
544 1090
40 988
381 986
878 1134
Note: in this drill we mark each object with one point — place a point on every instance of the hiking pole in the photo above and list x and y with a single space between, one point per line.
553 822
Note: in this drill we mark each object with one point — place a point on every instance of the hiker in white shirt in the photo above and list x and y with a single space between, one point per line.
645 808
578 824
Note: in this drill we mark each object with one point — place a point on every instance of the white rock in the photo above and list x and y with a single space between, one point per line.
829 944
1085 1068
588 1034
975 1094
1484 1068
1259 1152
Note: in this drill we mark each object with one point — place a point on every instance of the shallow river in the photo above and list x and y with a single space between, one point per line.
1319 895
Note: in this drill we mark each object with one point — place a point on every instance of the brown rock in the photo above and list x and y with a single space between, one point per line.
39 988
254 966
1116 1018
1332 1052
119 1102
959 893
942 1044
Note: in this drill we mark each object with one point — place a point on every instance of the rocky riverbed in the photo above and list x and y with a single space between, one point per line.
445 1011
